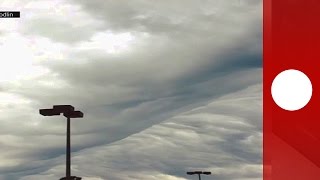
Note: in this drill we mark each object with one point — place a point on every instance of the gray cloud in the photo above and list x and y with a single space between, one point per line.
208 137
175 87
59 21
51 28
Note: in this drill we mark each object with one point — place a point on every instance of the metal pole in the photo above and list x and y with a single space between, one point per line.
199 176
68 157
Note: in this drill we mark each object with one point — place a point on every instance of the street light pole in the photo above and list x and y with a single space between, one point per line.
69 112
199 173
68 153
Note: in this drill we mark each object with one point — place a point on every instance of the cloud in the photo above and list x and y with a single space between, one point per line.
45 18
207 138
158 78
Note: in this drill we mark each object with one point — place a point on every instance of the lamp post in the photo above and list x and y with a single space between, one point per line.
199 173
69 112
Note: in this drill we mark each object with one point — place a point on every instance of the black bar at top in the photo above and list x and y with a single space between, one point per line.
9 14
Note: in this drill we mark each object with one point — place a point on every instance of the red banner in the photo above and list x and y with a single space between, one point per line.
291 89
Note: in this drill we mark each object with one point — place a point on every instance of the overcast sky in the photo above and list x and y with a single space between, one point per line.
166 86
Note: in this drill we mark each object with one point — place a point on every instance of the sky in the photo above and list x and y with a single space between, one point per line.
165 86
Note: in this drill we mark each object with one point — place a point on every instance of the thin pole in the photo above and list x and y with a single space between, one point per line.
68 157
199 176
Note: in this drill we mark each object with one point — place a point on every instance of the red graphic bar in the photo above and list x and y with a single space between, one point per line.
291 40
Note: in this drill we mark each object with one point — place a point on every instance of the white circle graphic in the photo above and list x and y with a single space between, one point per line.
291 90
